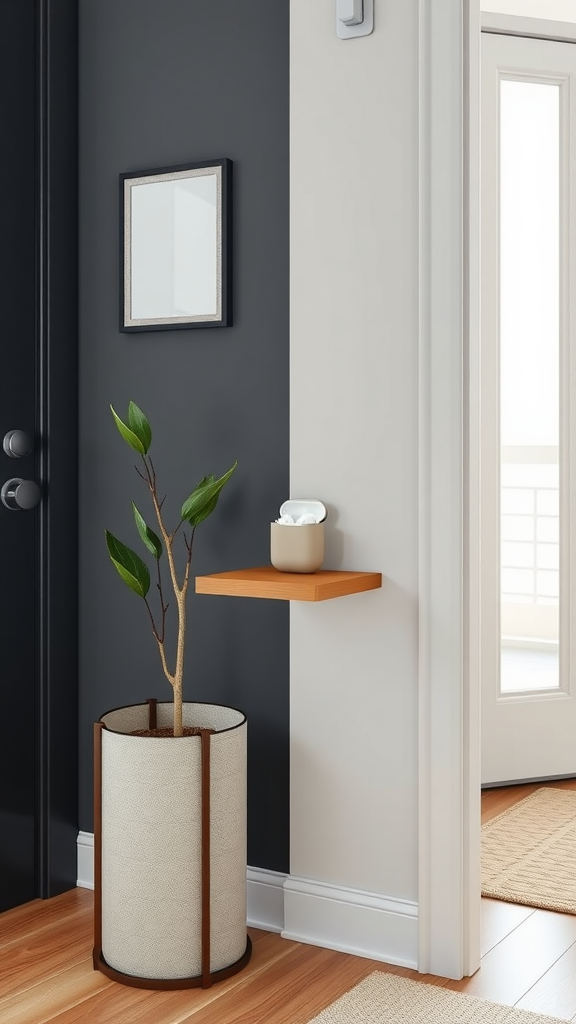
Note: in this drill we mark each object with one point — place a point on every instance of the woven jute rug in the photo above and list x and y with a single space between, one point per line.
529 852
385 999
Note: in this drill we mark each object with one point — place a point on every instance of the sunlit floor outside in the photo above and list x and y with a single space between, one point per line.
524 669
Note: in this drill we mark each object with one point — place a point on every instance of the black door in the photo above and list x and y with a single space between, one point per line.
38 477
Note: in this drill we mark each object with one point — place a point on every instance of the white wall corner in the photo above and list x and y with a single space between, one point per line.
85 860
264 889
352 921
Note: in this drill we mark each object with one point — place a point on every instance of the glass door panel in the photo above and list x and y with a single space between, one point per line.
529 385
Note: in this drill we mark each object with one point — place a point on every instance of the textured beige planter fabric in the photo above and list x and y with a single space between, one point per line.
151 842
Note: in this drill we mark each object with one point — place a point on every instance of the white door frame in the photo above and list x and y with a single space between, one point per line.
531 28
449 708
449 741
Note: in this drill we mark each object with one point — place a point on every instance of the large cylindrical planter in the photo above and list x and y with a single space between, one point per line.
170 847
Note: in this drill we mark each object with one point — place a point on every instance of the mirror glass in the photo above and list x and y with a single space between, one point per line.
176 252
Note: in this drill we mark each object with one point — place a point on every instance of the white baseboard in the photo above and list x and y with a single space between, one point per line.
264 889
85 860
265 899
352 921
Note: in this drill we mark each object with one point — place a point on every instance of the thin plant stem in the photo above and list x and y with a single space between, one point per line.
180 592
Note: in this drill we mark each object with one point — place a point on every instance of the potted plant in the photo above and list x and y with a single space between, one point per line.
170 785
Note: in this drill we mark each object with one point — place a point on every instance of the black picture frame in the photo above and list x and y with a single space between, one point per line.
151 283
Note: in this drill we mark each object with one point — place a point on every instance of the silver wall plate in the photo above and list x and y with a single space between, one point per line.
367 26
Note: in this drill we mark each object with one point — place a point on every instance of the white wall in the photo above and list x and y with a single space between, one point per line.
555 10
354 444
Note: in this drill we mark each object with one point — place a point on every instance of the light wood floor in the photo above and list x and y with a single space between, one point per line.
529 960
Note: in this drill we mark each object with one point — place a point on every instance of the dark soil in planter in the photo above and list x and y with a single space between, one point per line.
167 730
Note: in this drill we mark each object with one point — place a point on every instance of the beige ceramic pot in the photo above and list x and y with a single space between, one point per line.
170 847
297 548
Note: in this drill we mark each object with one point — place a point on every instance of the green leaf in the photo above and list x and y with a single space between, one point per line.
129 565
204 498
139 426
128 435
205 512
150 539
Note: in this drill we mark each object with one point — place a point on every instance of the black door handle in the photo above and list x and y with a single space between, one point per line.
20 494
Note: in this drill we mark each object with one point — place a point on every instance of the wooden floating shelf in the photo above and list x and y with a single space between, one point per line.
268 582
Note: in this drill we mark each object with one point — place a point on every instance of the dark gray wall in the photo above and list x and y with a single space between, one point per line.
164 82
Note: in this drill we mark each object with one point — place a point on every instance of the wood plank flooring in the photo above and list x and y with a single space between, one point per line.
46 975
528 955
528 960
494 801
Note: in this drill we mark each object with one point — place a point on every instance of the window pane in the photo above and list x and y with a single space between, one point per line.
517 528
548 583
548 530
529 254
518 555
547 502
517 501
548 556
517 581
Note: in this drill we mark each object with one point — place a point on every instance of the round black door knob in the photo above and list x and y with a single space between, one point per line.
20 494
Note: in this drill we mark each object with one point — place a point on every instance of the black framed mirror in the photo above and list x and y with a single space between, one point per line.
176 247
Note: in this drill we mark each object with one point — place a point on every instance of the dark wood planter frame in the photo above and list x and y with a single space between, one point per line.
206 978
